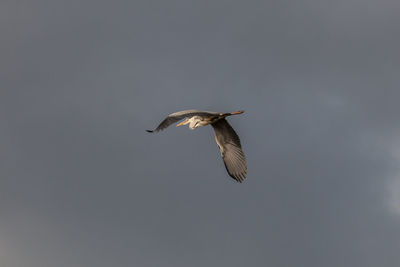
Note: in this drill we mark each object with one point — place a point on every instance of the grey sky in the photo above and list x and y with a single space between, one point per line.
82 183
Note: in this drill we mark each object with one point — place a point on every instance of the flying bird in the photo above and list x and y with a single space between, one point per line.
227 139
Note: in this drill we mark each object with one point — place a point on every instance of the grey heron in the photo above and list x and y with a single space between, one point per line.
227 139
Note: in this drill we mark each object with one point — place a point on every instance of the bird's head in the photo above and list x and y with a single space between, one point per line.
193 122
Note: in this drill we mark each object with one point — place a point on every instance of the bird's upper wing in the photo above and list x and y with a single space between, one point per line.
231 150
180 115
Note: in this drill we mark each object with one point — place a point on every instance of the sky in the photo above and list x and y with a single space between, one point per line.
83 184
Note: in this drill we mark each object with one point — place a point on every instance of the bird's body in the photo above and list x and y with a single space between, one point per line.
227 139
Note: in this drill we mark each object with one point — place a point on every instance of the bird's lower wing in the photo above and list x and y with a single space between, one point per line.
231 150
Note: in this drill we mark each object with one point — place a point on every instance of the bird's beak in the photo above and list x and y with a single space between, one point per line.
237 112
183 123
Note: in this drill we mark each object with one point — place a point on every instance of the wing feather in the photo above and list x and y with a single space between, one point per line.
231 150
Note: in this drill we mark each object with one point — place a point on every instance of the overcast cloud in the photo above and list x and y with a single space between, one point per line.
82 183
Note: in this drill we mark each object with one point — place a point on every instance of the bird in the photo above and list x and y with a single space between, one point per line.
227 140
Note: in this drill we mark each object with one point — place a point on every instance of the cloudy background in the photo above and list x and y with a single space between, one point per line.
82 183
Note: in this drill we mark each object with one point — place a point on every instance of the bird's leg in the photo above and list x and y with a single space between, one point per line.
231 113
186 121
237 112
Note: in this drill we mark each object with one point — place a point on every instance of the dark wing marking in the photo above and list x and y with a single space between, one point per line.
165 123
231 150
180 115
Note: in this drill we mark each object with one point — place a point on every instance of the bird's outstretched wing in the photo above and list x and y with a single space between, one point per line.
180 115
231 150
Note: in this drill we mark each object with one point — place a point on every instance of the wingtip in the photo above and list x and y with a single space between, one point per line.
238 177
